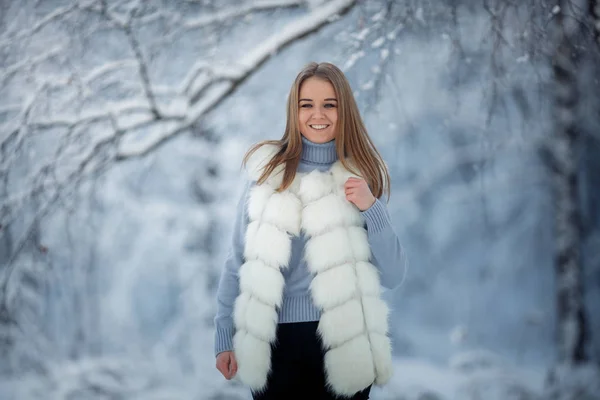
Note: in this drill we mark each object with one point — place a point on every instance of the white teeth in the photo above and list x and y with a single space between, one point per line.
319 127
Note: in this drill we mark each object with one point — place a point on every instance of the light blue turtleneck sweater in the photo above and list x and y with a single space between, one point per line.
387 256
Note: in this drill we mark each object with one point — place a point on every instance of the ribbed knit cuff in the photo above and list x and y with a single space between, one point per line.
377 217
298 309
223 340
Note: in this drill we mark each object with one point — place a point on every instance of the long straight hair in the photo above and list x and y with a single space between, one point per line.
354 147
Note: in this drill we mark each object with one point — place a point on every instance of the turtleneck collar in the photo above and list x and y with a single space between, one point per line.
318 153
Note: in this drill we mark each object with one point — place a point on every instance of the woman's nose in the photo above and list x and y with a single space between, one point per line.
318 112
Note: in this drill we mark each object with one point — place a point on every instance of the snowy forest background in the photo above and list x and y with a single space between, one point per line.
122 128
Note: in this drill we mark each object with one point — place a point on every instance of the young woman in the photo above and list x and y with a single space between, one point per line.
299 309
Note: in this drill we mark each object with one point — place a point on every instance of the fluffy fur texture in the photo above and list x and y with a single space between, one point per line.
346 287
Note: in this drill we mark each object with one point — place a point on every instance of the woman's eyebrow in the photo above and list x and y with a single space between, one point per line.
329 99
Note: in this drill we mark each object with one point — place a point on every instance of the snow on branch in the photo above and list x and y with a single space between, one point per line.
53 16
204 87
143 70
230 75
235 12
108 68
9 71
125 127
290 33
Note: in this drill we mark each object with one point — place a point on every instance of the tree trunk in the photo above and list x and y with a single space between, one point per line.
594 10
564 148
573 377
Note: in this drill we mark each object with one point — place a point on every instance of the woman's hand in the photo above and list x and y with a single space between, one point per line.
358 193
226 364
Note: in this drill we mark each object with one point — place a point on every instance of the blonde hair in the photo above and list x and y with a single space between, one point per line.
352 140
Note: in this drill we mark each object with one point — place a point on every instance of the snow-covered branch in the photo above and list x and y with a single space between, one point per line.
133 125
143 70
60 12
228 76
244 9
11 70
236 71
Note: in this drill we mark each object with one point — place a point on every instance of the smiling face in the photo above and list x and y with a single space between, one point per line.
317 110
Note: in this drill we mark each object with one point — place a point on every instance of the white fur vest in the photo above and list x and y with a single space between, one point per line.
345 286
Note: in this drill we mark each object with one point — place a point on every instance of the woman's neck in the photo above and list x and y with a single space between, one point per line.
318 153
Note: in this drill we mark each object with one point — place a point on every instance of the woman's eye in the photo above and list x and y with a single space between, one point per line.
308 105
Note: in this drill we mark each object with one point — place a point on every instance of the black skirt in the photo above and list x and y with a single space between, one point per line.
297 369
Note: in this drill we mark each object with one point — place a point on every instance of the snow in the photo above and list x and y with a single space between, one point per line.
132 256
108 68
302 25
129 121
198 67
380 16
392 35
138 142
209 100
352 60
384 54
419 15
378 42
57 13
413 379
573 382
242 10
416 379
11 69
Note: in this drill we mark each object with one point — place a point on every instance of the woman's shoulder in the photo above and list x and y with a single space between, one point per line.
258 156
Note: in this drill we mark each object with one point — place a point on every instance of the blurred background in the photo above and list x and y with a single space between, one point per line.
122 128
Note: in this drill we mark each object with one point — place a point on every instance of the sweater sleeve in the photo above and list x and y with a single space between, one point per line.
229 285
387 253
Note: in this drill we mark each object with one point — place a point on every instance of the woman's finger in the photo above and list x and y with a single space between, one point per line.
233 365
223 365
221 368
